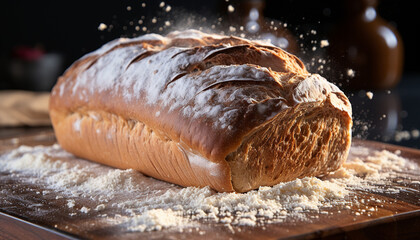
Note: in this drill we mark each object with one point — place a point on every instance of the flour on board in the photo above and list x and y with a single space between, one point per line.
156 205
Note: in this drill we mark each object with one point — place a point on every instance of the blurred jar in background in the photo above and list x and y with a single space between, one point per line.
33 69
249 16
366 51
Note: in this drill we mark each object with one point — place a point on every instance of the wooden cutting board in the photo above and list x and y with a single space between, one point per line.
27 213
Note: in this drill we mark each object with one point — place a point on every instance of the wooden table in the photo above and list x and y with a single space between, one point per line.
398 218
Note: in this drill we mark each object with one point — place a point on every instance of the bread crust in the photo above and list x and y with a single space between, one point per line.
176 107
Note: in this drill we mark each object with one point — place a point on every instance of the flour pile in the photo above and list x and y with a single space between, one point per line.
144 204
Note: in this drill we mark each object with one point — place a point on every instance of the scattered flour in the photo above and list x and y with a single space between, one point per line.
102 27
369 94
71 203
351 73
231 8
156 219
406 135
100 207
324 43
84 210
146 204
371 171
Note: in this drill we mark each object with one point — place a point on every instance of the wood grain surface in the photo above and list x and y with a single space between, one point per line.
397 217
16 228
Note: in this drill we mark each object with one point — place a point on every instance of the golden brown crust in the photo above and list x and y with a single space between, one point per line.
114 141
175 107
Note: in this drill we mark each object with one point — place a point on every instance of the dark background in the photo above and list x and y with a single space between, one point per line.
70 27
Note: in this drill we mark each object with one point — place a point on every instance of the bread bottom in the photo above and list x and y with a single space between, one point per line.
112 140
311 139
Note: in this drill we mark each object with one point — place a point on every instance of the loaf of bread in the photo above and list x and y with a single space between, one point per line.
200 109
